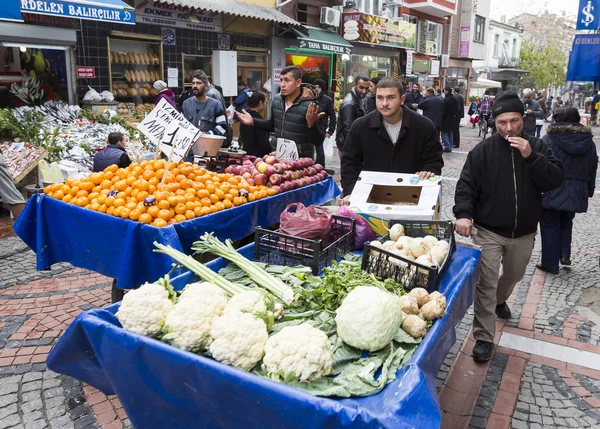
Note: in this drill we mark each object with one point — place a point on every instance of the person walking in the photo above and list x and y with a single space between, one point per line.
164 93
573 145
472 111
414 97
370 103
327 122
449 119
255 141
459 116
433 109
594 108
498 201
352 108
241 101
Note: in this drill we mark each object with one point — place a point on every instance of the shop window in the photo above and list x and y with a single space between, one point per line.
479 29
496 45
433 37
302 13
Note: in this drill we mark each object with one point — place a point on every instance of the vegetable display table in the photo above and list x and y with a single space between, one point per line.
161 386
122 249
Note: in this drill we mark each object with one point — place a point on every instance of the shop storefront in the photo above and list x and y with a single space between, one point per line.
423 70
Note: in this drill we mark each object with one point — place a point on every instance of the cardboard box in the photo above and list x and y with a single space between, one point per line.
378 197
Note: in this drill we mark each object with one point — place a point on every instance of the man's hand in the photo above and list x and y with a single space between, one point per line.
529 111
313 115
415 106
522 145
464 226
245 118
424 174
345 201
327 135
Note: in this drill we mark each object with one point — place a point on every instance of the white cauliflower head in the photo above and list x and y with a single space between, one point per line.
368 318
144 310
300 353
188 326
238 339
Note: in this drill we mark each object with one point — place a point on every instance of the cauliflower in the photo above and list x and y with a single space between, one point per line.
238 339
300 352
188 326
414 326
421 295
368 318
258 303
408 304
144 310
432 310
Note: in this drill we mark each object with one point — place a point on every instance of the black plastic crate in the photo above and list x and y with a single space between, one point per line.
404 271
277 248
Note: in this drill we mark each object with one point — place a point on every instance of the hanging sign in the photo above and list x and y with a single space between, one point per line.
85 72
159 13
80 10
589 15
584 61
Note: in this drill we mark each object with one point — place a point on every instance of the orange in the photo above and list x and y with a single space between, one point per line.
185 169
132 205
159 223
164 204
119 202
135 214
110 201
220 205
173 200
154 181
148 174
233 191
102 208
110 210
179 192
145 218
121 195
202 193
228 197
213 209
180 218
161 195
108 175
213 198
190 205
180 208
81 193
206 202
130 180
121 185
82 201
113 168
198 212
153 211
117 211
189 197
105 184
211 188
159 173
271 192
198 186
251 197
189 214
164 214
93 195
170 178
141 195
143 185
151 189
227 203
94 206
73 191
238 201
59 195
125 213
88 186
185 183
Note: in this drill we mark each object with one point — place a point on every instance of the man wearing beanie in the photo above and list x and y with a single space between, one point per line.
327 122
498 203
164 92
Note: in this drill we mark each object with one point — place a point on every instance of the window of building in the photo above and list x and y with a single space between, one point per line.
514 48
433 38
479 29
410 18
496 45
302 13
371 7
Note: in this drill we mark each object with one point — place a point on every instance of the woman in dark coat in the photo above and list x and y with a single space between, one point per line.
572 144
255 141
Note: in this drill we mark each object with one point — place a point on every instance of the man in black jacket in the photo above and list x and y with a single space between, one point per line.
113 153
414 97
433 108
294 114
459 115
393 139
352 108
498 201
371 106
327 122
449 119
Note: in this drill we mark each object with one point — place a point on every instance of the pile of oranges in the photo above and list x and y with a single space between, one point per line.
188 192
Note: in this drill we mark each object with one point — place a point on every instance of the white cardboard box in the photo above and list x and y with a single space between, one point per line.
378 197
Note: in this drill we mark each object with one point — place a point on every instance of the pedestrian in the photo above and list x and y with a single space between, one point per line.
594 107
214 93
498 202
556 102
113 153
241 101
352 108
485 105
473 112
203 112
440 93
385 11
164 93
433 109
392 139
533 111
255 141
327 122
573 145
294 113
9 192
449 119
414 97
371 105
459 116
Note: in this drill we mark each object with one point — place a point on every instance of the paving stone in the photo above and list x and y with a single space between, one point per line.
520 416
52 382
22 369
50 374
55 412
478 422
55 391
9 421
7 400
36 404
78 411
5 388
535 418
542 402
572 422
34 385
56 401
535 426
30 396
518 424
8 410
548 421
32 376
32 416
63 422
84 421
36 424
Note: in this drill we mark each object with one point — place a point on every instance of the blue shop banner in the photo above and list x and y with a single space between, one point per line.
97 10
588 17
10 10
584 62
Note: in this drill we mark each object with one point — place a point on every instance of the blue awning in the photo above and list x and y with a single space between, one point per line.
10 10
95 10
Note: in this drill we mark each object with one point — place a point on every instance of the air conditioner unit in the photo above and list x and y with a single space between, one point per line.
330 16
349 4
395 2
445 60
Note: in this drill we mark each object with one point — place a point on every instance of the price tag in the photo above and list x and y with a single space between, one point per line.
178 136
17 147
286 149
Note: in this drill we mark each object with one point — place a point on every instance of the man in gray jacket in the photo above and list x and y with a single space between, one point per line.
533 111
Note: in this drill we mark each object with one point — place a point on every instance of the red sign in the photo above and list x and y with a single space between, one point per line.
84 72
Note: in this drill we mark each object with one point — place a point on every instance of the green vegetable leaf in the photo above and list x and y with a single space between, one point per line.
403 337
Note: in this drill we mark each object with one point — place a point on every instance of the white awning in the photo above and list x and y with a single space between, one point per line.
486 83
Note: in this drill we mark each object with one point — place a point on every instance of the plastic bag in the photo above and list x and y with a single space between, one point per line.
51 173
107 96
364 233
312 222
92 95
328 147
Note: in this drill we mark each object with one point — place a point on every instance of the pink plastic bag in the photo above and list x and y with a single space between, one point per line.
364 232
312 222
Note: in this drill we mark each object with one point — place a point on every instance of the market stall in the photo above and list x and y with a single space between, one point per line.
122 249
173 388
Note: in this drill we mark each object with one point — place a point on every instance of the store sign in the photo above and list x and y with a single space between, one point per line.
420 64
73 9
312 67
409 62
465 37
277 76
85 72
50 21
360 27
149 12
9 10
168 36
435 68
584 59
324 46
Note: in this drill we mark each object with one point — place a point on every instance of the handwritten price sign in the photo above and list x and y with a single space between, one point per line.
177 140
286 149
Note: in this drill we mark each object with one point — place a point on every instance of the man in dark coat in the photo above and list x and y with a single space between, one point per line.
498 202
371 106
573 145
113 153
414 97
533 111
449 119
352 108
433 108
459 116
393 139
327 122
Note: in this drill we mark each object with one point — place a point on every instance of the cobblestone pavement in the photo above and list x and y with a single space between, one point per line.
516 389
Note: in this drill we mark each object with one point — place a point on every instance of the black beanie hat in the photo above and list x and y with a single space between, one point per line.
321 83
507 102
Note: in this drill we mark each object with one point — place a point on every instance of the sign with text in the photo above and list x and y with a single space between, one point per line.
362 27
277 76
319 45
149 12
584 61
286 149
85 72
589 15
465 37
409 62
72 9
177 140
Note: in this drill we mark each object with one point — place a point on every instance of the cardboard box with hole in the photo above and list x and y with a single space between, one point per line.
378 197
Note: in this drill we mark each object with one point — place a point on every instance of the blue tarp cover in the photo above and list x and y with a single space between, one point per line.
163 387
122 249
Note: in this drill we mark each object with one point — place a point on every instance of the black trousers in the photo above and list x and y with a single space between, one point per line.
456 132
556 228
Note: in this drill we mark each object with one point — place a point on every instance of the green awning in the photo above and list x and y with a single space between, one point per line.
323 40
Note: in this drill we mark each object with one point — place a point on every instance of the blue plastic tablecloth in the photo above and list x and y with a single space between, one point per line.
122 249
161 386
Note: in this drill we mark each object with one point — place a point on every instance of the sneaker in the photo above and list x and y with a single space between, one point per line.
482 352
541 267
503 311
447 150
565 261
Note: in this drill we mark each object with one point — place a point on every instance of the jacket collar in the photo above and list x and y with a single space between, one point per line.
115 146
376 122
568 128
